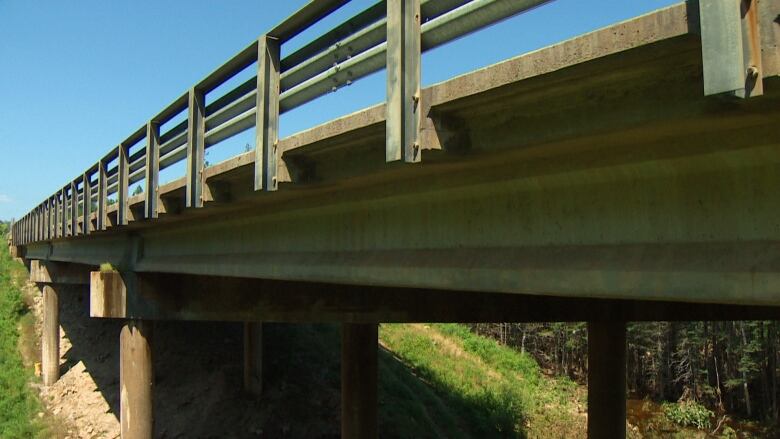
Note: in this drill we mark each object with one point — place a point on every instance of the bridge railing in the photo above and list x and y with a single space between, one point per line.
391 34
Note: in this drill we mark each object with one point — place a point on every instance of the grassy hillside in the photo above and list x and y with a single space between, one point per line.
435 381
18 403
487 389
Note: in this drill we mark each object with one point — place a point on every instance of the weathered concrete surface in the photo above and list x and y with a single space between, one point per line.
593 168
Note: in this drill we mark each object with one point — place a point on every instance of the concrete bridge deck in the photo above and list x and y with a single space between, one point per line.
590 180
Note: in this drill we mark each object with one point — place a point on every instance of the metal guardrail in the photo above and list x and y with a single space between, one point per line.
391 34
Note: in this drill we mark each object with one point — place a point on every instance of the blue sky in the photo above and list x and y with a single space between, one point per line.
77 78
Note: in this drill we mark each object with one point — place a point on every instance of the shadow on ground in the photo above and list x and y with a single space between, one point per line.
198 372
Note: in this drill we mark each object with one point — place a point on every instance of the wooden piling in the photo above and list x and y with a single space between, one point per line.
50 336
607 379
253 358
136 380
359 380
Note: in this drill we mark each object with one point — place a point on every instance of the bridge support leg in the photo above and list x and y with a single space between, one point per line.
136 380
253 357
607 379
50 336
359 380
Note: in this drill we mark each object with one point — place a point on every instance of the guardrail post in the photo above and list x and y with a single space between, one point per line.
267 115
121 188
152 169
38 224
87 210
196 133
54 216
102 204
63 213
35 224
403 121
731 47
74 209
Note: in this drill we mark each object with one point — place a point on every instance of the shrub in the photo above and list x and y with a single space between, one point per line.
688 414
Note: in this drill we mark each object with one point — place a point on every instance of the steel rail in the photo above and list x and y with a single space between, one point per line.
441 30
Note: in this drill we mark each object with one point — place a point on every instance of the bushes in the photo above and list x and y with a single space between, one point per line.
688 414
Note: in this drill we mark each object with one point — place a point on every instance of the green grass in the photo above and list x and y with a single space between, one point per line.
18 404
488 389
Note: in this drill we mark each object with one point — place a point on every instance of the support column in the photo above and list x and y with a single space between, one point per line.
50 336
359 380
136 380
253 358
607 379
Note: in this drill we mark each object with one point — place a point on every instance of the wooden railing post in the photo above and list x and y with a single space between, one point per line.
152 169
267 115
403 121
121 188
196 133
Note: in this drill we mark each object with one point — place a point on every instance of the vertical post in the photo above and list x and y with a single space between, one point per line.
607 379
35 224
731 47
74 209
121 188
50 336
47 218
196 133
55 207
87 210
402 138
267 115
63 213
152 168
253 357
359 380
136 376
102 204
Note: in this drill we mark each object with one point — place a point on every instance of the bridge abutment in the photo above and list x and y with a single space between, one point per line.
607 379
136 380
359 344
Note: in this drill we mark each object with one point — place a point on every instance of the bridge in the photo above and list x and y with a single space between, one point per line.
627 174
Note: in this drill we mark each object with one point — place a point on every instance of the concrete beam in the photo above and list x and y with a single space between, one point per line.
184 297
606 379
58 272
359 344
136 375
